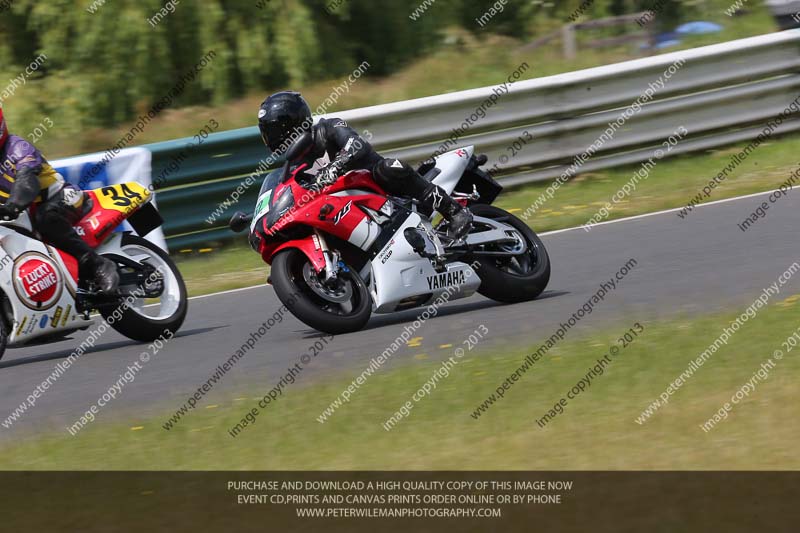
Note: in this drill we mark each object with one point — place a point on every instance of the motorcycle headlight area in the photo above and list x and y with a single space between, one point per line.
280 207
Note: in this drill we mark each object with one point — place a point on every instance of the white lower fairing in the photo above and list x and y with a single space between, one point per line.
39 289
401 278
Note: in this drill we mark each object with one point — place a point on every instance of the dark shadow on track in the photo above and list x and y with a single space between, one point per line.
405 317
63 354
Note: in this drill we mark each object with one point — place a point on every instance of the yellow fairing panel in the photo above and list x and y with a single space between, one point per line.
123 197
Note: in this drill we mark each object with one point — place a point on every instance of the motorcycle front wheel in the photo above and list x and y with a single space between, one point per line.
339 306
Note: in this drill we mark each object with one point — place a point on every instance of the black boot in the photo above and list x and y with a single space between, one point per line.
459 218
102 270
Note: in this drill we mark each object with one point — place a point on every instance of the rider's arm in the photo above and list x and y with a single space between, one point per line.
26 187
347 148
28 163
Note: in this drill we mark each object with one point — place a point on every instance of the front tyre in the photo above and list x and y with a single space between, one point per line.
340 306
512 278
146 319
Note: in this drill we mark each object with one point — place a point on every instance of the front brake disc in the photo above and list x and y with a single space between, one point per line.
336 290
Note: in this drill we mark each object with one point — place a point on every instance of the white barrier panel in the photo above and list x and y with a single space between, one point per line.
131 164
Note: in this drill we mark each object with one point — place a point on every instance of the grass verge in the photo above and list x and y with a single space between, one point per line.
672 183
597 430
220 269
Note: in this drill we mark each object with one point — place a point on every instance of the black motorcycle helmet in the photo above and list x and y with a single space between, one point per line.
282 118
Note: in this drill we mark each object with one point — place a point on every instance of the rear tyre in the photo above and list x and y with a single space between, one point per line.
5 330
147 320
343 306
516 278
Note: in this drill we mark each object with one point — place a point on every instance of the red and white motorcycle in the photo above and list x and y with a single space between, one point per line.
40 297
343 252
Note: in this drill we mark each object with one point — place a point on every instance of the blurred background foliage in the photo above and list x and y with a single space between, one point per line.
106 67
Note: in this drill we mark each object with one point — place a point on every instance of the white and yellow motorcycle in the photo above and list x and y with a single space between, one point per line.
41 298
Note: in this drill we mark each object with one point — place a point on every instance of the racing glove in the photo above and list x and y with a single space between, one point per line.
327 176
23 193
330 173
9 211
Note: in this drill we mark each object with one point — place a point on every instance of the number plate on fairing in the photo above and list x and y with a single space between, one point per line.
123 197
262 207
111 205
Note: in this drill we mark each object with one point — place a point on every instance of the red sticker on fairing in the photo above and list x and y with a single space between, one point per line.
37 281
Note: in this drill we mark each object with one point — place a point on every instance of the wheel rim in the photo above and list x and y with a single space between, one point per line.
519 263
168 303
341 296
335 291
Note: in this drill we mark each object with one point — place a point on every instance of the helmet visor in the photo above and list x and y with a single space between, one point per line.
273 136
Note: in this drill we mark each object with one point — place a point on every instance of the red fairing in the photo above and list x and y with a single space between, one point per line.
71 263
333 210
356 179
309 246
328 211
97 224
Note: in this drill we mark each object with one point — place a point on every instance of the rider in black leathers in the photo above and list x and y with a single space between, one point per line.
335 148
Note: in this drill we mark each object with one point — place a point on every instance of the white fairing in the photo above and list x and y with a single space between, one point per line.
22 221
400 278
452 164
39 288
365 233
398 273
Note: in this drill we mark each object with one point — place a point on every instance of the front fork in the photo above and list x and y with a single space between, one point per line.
333 262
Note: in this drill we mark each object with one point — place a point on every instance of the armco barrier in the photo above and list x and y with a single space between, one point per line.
720 94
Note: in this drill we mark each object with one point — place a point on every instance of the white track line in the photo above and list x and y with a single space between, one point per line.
554 232
228 292
673 210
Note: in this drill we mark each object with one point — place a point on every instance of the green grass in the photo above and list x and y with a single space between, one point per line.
220 269
672 183
462 62
596 431
466 62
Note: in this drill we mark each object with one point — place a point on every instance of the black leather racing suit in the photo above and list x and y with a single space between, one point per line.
337 148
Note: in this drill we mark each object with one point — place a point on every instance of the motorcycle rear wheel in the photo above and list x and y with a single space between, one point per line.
346 308
516 278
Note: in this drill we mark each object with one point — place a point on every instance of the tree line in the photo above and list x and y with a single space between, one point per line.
108 60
